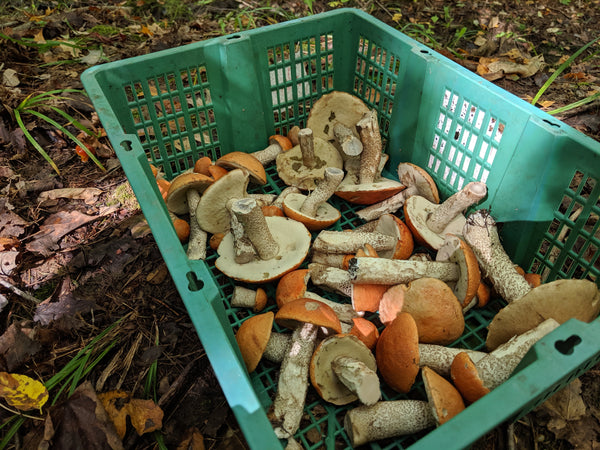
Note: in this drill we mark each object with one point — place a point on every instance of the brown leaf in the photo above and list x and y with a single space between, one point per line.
145 415
11 224
88 195
82 423
16 348
192 440
62 304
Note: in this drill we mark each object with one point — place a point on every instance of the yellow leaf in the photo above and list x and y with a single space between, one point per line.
147 31
22 392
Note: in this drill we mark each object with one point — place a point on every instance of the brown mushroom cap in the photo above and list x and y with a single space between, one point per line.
366 331
323 378
391 225
444 398
458 251
436 310
252 338
177 194
560 300
291 286
326 215
412 175
306 310
397 353
241 160
282 141
465 377
293 240
336 106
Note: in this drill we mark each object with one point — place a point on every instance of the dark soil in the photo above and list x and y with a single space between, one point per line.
112 265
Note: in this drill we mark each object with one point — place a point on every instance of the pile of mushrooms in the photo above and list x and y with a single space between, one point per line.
381 304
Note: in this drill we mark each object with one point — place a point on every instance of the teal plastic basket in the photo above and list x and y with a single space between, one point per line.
230 93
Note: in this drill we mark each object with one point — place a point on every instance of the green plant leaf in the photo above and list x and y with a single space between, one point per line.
576 104
33 142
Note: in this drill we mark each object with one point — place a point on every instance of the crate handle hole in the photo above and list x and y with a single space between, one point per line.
235 36
194 283
126 145
425 51
566 347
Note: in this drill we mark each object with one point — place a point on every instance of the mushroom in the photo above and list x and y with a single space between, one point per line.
249 298
456 250
441 357
444 399
387 419
474 380
343 369
366 331
256 340
281 245
331 278
303 165
313 210
431 222
366 186
416 181
432 304
183 197
345 242
527 307
397 352
241 160
293 285
363 270
277 144
304 317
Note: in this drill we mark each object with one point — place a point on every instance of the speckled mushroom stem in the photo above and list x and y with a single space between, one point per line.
332 241
440 357
349 144
368 129
243 297
277 345
255 226
339 260
293 381
366 270
481 234
198 237
358 378
456 204
324 190
388 206
387 419
268 154
498 365
307 147
331 278
242 246
343 311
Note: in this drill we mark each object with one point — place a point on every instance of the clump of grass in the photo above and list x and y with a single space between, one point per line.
565 65
32 104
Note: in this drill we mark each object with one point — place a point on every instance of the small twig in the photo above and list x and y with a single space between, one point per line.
18 413
19 292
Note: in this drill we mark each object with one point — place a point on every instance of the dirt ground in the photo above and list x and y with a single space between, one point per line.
75 263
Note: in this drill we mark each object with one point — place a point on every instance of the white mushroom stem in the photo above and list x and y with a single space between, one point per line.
350 145
325 189
388 206
343 311
243 248
277 346
387 419
243 297
346 242
331 278
481 234
329 259
198 237
307 147
358 378
293 381
456 204
269 153
255 226
366 270
497 366
439 357
368 129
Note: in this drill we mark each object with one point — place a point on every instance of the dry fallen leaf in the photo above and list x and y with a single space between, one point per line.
22 392
63 304
145 415
192 440
16 347
88 195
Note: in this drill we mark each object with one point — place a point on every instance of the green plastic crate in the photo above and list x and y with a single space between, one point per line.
231 93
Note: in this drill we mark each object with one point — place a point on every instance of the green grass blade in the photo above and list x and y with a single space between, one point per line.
12 431
560 70
72 120
576 104
69 134
33 142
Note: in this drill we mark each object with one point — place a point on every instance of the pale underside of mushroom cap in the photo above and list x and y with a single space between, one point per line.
335 107
293 239
326 214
